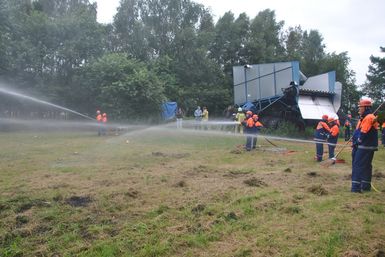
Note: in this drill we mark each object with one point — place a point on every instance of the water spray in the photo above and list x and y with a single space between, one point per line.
13 93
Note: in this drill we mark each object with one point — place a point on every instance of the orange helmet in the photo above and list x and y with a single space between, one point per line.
255 116
98 112
249 112
104 114
325 117
364 103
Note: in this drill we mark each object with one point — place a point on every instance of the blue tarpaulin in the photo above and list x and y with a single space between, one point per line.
168 110
249 106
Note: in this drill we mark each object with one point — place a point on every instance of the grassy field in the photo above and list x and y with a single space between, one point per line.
156 192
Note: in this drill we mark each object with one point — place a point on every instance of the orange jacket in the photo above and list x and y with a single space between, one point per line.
334 131
250 122
258 124
323 125
383 125
99 118
368 122
104 120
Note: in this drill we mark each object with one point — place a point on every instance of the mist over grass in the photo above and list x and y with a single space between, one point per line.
159 191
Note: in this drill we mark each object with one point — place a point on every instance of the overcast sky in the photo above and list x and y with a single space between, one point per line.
355 26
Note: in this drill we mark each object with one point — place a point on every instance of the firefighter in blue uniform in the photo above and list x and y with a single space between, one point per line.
333 137
320 135
257 127
248 123
365 143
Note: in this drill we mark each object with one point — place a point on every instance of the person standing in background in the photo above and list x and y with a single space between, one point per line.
205 117
333 137
179 118
320 135
198 117
104 124
348 127
99 121
239 118
257 128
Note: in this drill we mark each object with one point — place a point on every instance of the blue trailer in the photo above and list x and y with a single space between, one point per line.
281 92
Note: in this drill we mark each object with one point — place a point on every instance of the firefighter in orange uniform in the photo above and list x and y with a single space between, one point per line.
99 121
333 136
248 123
320 135
257 127
104 122
365 143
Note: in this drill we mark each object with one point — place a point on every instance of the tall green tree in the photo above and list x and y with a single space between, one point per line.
293 41
375 87
313 52
123 87
265 42
340 64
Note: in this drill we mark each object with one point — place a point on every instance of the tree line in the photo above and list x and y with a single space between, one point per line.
153 51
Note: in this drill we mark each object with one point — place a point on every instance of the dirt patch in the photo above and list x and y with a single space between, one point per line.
201 168
238 150
78 201
378 253
317 190
351 254
288 170
238 172
21 220
312 174
254 182
159 154
132 193
198 209
172 155
378 175
181 183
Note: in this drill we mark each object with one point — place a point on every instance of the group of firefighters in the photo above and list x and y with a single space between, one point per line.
364 140
250 125
364 143
101 119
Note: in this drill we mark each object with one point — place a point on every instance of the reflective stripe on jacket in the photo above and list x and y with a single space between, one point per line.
368 135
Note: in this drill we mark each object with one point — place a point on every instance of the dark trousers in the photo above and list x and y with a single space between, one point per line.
362 170
255 141
332 146
347 133
249 141
319 147
383 137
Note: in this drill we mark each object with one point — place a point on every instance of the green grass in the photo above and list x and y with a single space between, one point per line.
179 194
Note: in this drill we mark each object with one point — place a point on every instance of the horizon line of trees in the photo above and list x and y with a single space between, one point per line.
154 51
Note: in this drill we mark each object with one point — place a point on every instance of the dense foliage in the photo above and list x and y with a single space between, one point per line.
155 50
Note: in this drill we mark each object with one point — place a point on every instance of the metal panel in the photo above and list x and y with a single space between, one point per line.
261 81
337 96
320 82
314 108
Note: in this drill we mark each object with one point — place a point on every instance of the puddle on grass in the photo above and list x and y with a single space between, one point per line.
78 201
